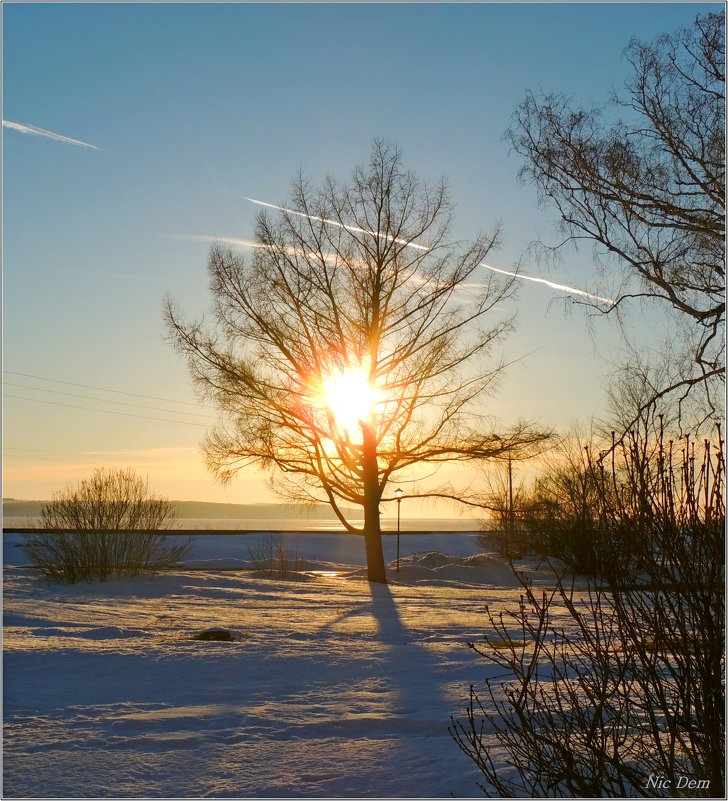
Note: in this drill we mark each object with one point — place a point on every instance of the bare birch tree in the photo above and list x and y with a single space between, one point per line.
649 190
351 346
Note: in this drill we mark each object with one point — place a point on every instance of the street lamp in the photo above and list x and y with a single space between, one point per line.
398 493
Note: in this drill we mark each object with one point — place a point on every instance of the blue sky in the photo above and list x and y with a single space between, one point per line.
193 107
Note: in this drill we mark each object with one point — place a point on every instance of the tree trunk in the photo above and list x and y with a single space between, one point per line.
372 528
373 544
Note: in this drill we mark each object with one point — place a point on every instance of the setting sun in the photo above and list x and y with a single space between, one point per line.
349 396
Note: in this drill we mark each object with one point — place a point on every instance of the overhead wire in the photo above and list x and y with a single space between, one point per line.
35 457
103 400
15 452
107 411
30 454
100 389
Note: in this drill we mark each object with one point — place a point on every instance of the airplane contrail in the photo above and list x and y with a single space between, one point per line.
339 225
572 290
35 131
560 287
227 240
247 243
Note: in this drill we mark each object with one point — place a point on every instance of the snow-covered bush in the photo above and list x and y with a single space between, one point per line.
105 526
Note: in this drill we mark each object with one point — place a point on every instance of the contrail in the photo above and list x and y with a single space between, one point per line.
34 131
227 240
562 287
247 243
339 225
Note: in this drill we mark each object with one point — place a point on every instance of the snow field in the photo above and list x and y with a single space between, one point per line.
332 687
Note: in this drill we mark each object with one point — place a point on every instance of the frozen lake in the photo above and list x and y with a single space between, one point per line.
227 550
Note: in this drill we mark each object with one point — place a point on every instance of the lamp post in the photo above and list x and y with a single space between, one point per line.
398 493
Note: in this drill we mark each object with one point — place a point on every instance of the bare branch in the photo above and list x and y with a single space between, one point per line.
354 276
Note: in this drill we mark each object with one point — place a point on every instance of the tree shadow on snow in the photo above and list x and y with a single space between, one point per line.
407 668
402 646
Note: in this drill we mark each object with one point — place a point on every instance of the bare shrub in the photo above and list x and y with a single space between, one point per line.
559 515
504 501
275 558
618 689
105 526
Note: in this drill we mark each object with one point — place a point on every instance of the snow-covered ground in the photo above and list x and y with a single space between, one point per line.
332 687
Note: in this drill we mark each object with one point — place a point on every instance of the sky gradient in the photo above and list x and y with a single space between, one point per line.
164 119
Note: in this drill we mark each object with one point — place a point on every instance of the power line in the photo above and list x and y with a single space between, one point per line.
100 389
32 456
30 450
108 411
30 453
102 400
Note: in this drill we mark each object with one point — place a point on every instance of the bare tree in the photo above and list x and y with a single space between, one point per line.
617 689
106 525
350 347
559 512
649 190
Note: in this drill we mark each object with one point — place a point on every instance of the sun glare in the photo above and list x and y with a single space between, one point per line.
350 397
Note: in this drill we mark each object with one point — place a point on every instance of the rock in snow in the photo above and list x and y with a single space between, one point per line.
217 635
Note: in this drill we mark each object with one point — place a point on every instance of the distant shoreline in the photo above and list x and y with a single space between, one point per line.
204 532
206 516
263 523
